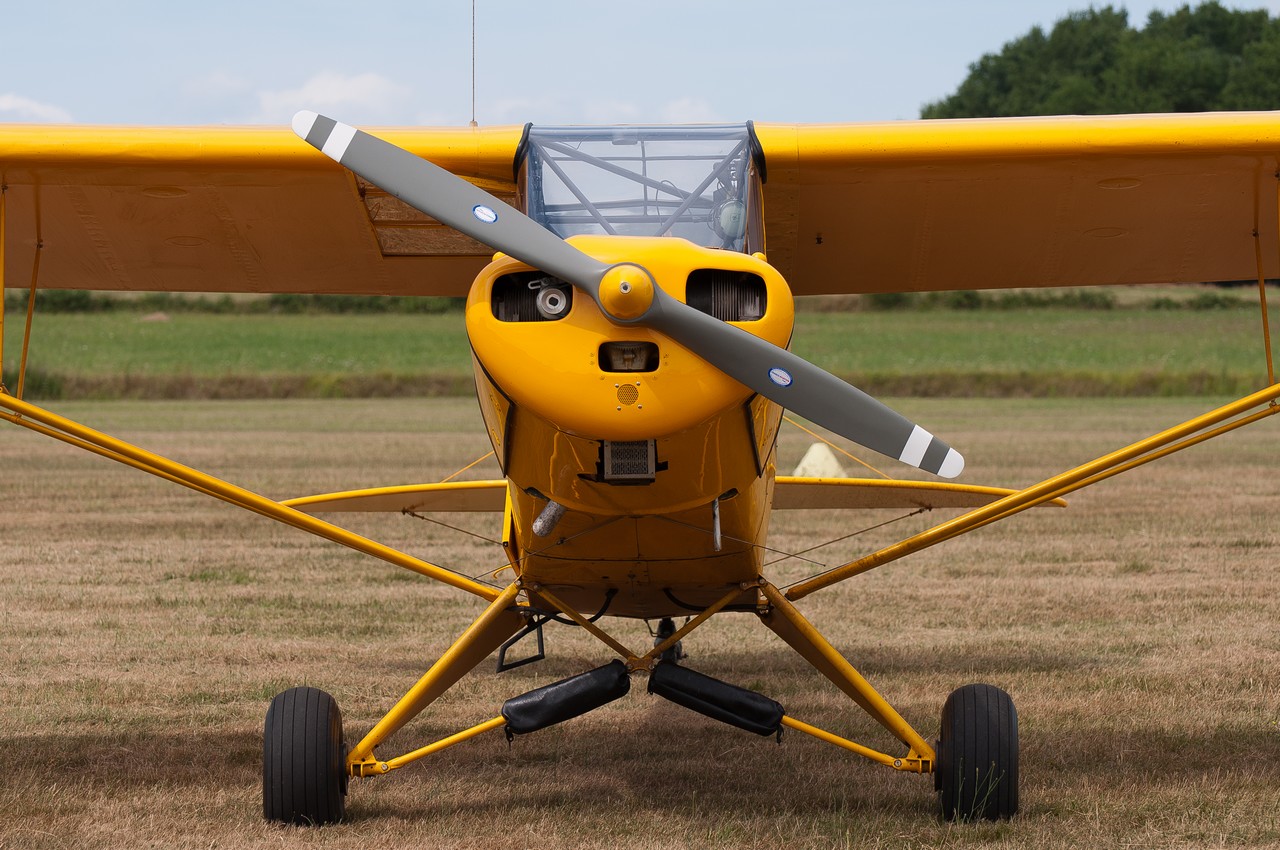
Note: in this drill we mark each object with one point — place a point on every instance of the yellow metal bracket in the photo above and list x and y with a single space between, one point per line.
497 623
912 762
370 766
588 626
646 661
784 620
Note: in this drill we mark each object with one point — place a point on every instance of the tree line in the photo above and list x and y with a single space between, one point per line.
1201 59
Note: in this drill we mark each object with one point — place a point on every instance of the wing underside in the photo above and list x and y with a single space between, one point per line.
468 496
790 493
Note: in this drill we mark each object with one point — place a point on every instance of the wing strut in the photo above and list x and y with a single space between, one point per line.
4 193
1165 443
50 424
31 297
1262 292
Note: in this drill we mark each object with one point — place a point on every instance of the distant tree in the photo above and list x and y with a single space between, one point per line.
1093 62
1255 82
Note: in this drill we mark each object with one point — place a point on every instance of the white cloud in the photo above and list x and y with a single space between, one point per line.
689 110
551 109
17 108
356 99
611 111
545 108
217 84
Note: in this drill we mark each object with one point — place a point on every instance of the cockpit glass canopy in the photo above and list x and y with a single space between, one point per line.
700 183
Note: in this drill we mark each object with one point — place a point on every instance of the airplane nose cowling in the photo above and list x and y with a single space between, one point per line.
600 377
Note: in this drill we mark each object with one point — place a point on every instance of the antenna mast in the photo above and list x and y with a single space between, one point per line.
473 63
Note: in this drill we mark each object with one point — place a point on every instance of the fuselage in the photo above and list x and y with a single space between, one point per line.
664 467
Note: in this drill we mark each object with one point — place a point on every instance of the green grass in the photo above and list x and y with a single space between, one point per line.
211 344
1028 351
1035 340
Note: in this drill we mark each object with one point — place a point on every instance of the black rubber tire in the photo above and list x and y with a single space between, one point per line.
304 771
977 770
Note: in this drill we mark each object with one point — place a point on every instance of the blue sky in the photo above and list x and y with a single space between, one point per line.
547 61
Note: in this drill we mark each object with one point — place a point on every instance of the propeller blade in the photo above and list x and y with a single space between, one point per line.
632 297
802 387
450 199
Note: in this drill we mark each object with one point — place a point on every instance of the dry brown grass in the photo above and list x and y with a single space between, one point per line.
145 630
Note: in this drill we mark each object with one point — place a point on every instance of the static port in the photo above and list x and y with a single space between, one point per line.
628 357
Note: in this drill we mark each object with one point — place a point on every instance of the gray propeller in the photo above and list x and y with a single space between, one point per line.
629 295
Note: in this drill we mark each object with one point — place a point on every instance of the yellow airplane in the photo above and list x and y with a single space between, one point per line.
630 348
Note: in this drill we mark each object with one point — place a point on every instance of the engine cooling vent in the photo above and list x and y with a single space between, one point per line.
729 296
515 297
630 461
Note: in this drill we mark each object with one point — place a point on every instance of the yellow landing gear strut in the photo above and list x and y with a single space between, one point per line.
571 697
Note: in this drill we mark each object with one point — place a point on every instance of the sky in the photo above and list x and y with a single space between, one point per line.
546 61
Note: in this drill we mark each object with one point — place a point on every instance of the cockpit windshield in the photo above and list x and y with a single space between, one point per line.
700 183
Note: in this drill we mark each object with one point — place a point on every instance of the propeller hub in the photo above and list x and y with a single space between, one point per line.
626 292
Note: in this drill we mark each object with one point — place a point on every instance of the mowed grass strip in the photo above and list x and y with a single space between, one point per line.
1025 352
146 629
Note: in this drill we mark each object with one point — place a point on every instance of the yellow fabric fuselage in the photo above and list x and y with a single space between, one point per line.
550 405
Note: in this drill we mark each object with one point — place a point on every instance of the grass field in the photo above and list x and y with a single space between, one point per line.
147 628
1029 351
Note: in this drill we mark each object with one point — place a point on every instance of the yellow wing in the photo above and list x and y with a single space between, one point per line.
1064 201
224 209
902 206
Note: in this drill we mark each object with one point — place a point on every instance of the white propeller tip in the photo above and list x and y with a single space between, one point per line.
918 445
952 464
303 121
331 137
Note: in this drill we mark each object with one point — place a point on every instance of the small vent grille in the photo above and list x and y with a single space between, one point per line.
515 297
628 394
630 461
729 296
